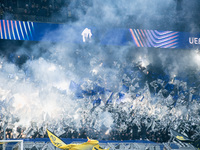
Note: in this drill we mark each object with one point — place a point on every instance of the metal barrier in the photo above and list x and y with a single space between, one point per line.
114 146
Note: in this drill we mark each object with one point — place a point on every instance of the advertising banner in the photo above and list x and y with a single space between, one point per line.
35 31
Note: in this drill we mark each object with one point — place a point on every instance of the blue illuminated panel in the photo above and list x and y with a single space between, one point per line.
34 31
16 30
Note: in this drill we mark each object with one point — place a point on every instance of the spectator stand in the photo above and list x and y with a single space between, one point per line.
39 10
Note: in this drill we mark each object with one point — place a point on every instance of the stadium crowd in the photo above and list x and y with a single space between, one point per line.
132 132
41 10
144 128
45 10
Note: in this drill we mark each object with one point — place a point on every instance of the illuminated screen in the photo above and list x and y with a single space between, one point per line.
34 31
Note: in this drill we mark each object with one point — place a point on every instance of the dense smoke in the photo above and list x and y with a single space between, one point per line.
54 86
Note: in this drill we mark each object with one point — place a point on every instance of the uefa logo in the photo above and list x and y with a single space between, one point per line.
86 35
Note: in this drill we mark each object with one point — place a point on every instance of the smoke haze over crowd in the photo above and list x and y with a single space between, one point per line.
44 88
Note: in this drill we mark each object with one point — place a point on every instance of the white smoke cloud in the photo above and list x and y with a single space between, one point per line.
39 91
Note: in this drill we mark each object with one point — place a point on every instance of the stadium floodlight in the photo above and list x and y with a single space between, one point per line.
13 144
